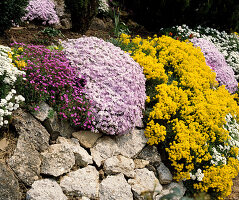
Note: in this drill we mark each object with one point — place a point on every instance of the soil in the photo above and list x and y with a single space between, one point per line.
33 34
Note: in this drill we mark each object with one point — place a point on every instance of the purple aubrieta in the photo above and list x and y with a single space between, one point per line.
115 83
215 59
43 10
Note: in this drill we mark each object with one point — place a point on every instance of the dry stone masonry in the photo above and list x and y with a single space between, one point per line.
81 164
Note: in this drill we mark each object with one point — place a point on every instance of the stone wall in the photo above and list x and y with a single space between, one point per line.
55 161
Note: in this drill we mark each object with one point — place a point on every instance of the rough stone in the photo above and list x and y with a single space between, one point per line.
82 182
140 163
42 114
66 23
87 139
56 126
152 168
119 164
57 160
151 154
9 187
60 7
82 158
85 198
26 162
30 130
97 24
104 148
115 188
3 144
144 182
169 189
165 176
132 143
45 189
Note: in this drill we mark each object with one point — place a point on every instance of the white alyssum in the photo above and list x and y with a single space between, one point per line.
9 74
197 176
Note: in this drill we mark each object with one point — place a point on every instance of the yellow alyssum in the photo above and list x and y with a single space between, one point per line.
188 109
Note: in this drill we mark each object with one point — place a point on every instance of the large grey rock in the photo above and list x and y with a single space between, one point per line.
43 111
25 162
45 189
9 187
132 143
57 160
104 148
169 189
82 182
115 188
82 158
165 176
87 139
145 182
30 130
56 126
119 164
150 153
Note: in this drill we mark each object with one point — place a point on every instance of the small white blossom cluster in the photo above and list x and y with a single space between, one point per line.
217 157
233 127
198 175
8 76
9 104
103 6
227 44
219 153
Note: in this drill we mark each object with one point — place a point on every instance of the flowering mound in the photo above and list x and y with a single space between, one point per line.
43 10
189 116
217 62
51 78
115 83
9 75
227 44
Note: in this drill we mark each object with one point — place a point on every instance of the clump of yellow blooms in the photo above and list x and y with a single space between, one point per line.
15 56
187 110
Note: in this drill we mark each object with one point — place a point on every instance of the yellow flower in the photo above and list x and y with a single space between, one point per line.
188 109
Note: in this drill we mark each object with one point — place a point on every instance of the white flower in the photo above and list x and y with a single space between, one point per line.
5 122
1 112
3 102
16 106
13 91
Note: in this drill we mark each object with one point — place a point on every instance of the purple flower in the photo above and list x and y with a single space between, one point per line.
43 10
115 83
54 80
215 59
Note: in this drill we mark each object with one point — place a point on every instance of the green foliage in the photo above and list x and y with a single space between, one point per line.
11 12
51 113
120 27
51 32
48 36
82 12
